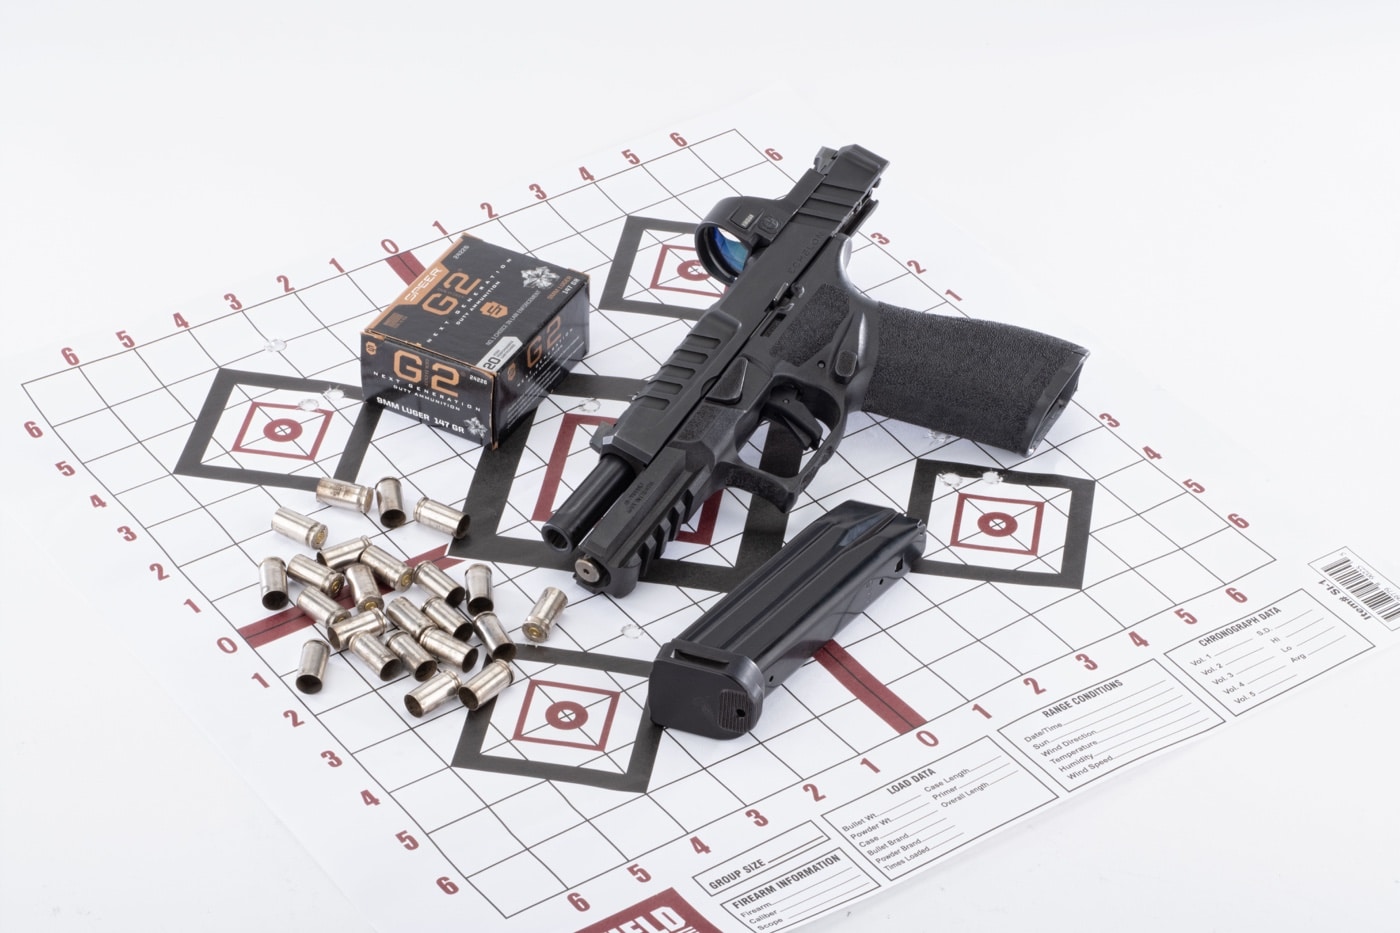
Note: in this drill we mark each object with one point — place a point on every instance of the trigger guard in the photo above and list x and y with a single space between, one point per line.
781 490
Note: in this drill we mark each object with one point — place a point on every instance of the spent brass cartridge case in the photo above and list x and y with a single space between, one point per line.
387 567
492 679
540 621
344 495
405 613
342 555
380 659
272 582
364 587
389 492
446 648
299 527
413 655
448 619
434 692
479 597
371 621
441 517
306 570
312 670
320 608
437 582
493 636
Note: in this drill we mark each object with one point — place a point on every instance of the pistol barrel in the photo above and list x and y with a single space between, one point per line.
586 504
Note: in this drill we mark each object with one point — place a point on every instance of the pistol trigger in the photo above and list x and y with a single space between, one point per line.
784 407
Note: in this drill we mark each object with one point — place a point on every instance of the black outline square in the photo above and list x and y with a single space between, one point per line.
221 391
469 755
1081 503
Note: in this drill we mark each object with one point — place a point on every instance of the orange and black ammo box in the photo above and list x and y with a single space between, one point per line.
476 341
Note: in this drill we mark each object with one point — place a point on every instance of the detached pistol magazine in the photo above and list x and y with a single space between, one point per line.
794 344
712 678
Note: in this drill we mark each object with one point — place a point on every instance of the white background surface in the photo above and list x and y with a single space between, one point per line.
1212 188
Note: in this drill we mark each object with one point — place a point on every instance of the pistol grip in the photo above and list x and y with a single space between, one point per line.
989 382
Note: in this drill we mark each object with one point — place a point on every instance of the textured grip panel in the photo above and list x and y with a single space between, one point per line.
989 382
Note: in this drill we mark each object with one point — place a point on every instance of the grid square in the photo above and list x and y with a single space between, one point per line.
230 338
983 610
1229 554
157 501
438 799
1140 486
973 670
632 191
584 207
1026 644
335 300
1179 576
1078 620
514 883
317 354
362 722
754 774
1135 542
537 814
1099 452
810 748
1128 597
727 153
64 396
695 800
637 826
120 377
216 572
152 413
476 842
283 319
1184 519
95 435
931 635
577 855
680 171
399 761
190 536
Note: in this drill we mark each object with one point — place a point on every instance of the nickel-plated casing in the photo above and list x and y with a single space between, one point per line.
413 655
432 693
488 682
438 582
300 528
319 607
312 670
342 555
364 587
479 598
387 567
373 652
372 621
493 636
272 582
306 570
389 492
441 517
540 621
448 619
343 494
446 648
407 615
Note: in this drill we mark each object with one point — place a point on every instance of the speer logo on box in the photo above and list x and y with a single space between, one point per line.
474 343
666 912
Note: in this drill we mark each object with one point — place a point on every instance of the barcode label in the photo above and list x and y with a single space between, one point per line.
1372 590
